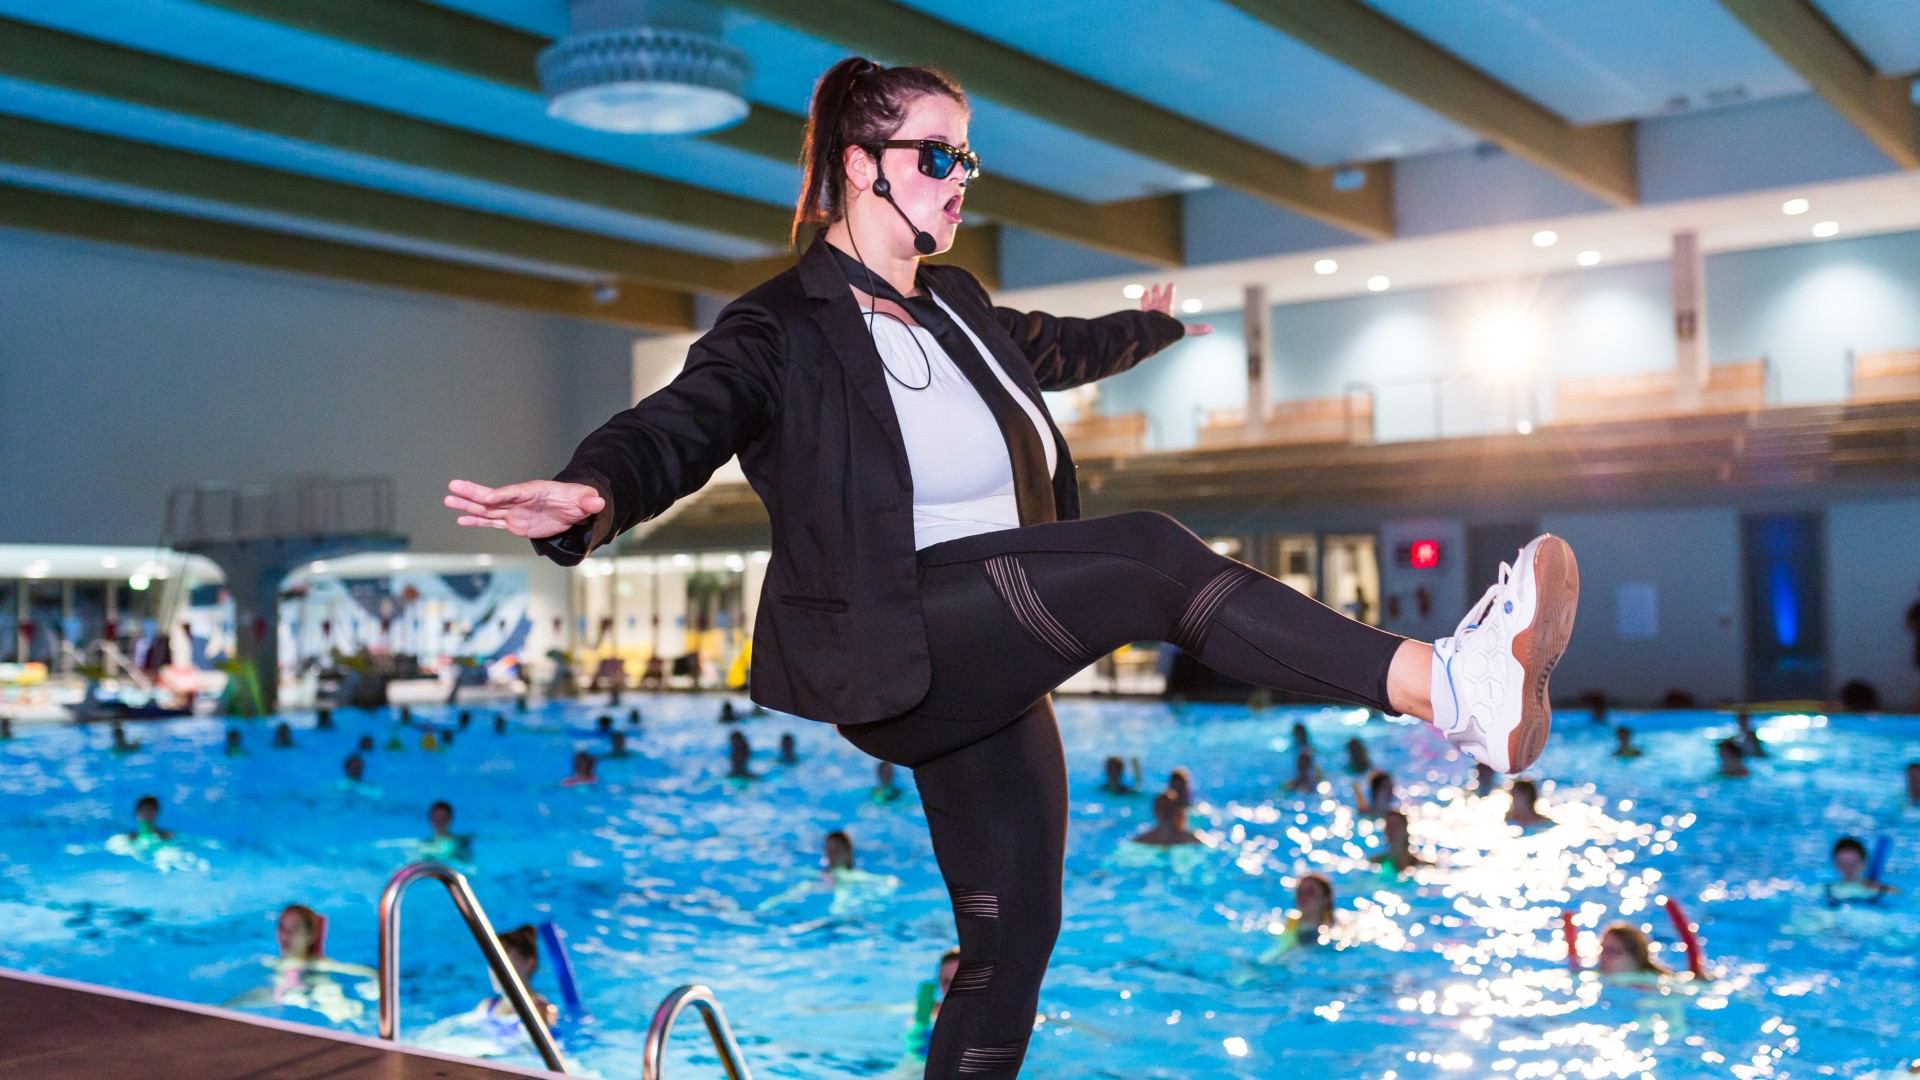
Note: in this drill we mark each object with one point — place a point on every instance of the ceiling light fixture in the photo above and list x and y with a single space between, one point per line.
655 67
1378 283
1826 229
1795 206
1324 267
1134 291
1588 258
1191 306
1545 238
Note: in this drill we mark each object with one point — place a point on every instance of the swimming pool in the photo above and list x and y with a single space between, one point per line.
664 873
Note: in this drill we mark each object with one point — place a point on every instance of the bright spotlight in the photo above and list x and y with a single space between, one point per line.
1134 291
1323 267
1190 306
1524 427
1378 283
1588 258
1503 343
1545 238
1795 206
1826 228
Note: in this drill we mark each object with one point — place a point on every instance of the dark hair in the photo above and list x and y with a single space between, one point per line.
1528 788
1849 843
441 805
522 941
146 801
856 103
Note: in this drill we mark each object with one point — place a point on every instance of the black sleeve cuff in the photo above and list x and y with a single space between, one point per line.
570 547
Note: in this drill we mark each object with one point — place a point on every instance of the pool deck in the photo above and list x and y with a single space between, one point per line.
62 1030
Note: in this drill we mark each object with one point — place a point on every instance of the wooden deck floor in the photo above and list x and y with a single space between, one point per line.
60 1030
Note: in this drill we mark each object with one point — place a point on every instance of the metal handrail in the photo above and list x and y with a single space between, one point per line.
653 1058
503 969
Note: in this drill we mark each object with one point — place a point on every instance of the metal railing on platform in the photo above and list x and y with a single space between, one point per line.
296 506
503 970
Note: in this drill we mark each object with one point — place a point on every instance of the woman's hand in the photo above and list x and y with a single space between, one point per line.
536 509
1160 298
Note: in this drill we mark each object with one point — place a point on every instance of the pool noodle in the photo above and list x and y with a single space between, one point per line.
1696 959
1877 866
563 970
1567 931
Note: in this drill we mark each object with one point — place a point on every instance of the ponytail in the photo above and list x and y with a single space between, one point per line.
856 103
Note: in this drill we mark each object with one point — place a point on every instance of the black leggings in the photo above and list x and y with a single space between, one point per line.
1009 616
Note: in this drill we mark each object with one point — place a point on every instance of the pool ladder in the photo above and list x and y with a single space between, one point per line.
653 1060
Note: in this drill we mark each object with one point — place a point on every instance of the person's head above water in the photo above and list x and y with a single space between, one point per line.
1313 896
1394 827
1180 785
1357 759
1624 736
839 848
582 765
1116 772
1169 812
355 767
1913 782
1733 762
1380 795
1300 736
298 933
146 809
522 946
849 174
1850 859
949 967
283 734
883 776
788 748
440 816
1625 949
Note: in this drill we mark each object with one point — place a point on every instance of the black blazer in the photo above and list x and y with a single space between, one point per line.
789 379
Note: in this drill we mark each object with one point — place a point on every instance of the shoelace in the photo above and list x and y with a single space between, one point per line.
1482 609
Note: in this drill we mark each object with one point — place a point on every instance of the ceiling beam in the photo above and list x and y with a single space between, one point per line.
1599 159
1033 86
1881 106
37 54
115 160
90 219
460 42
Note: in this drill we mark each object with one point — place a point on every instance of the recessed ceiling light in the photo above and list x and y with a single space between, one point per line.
1134 292
1826 228
1588 258
1378 283
1795 206
1324 267
1524 427
108 562
1190 306
1545 238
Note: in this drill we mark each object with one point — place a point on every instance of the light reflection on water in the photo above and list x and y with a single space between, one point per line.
1171 964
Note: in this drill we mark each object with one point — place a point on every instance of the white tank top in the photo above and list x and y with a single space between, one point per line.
962 473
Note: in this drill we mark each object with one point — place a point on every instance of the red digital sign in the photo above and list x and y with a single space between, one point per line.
1424 554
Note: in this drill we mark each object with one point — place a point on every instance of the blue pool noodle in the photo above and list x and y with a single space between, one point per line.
563 971
1877 865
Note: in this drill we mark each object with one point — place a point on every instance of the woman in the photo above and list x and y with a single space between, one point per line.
929 586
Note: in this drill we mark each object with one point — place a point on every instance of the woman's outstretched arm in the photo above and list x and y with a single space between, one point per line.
1067 352
644 459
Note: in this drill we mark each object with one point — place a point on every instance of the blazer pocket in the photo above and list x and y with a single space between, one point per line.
815 603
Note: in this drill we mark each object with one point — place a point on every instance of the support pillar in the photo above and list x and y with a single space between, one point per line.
1256 319
1689 320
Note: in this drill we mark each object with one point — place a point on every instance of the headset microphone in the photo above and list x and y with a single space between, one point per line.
923 242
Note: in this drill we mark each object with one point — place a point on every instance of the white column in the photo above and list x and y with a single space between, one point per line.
1689 319
1256 321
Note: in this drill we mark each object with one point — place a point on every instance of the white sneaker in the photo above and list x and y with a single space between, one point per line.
1496 664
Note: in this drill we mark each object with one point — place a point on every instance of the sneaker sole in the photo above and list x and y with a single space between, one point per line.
1556 585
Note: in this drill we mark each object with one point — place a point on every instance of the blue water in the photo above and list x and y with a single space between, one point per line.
663 874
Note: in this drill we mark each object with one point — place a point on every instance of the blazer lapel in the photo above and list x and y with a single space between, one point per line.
839 318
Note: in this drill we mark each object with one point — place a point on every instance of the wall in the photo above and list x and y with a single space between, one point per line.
1873 576
1692 560
125 373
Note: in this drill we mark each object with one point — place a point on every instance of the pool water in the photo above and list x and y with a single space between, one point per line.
665 873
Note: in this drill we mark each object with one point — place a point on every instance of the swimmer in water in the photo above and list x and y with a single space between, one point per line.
1626 955
323 720
283 736
1312 917
429 741
604 724
522 946
234 749
583 763
617 745
146 816
1525 811
633 717
1750 743
1169 824
1301 740
885 789
1399 856
1358 761
1625 750
1116 782
466 719
1913 783
394 744
6 728
1306 775
300 968
121 744
789 754
355 769
1180 786
1483 779
445 843
499 723
738 752
1377 797
1854 886
927 1008
446 738
839 854
1733 763
727 713
365 745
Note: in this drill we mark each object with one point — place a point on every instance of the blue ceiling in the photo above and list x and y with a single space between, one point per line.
1589 60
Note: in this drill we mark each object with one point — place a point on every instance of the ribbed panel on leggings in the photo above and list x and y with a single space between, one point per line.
1191 631
1010 580
980 1059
